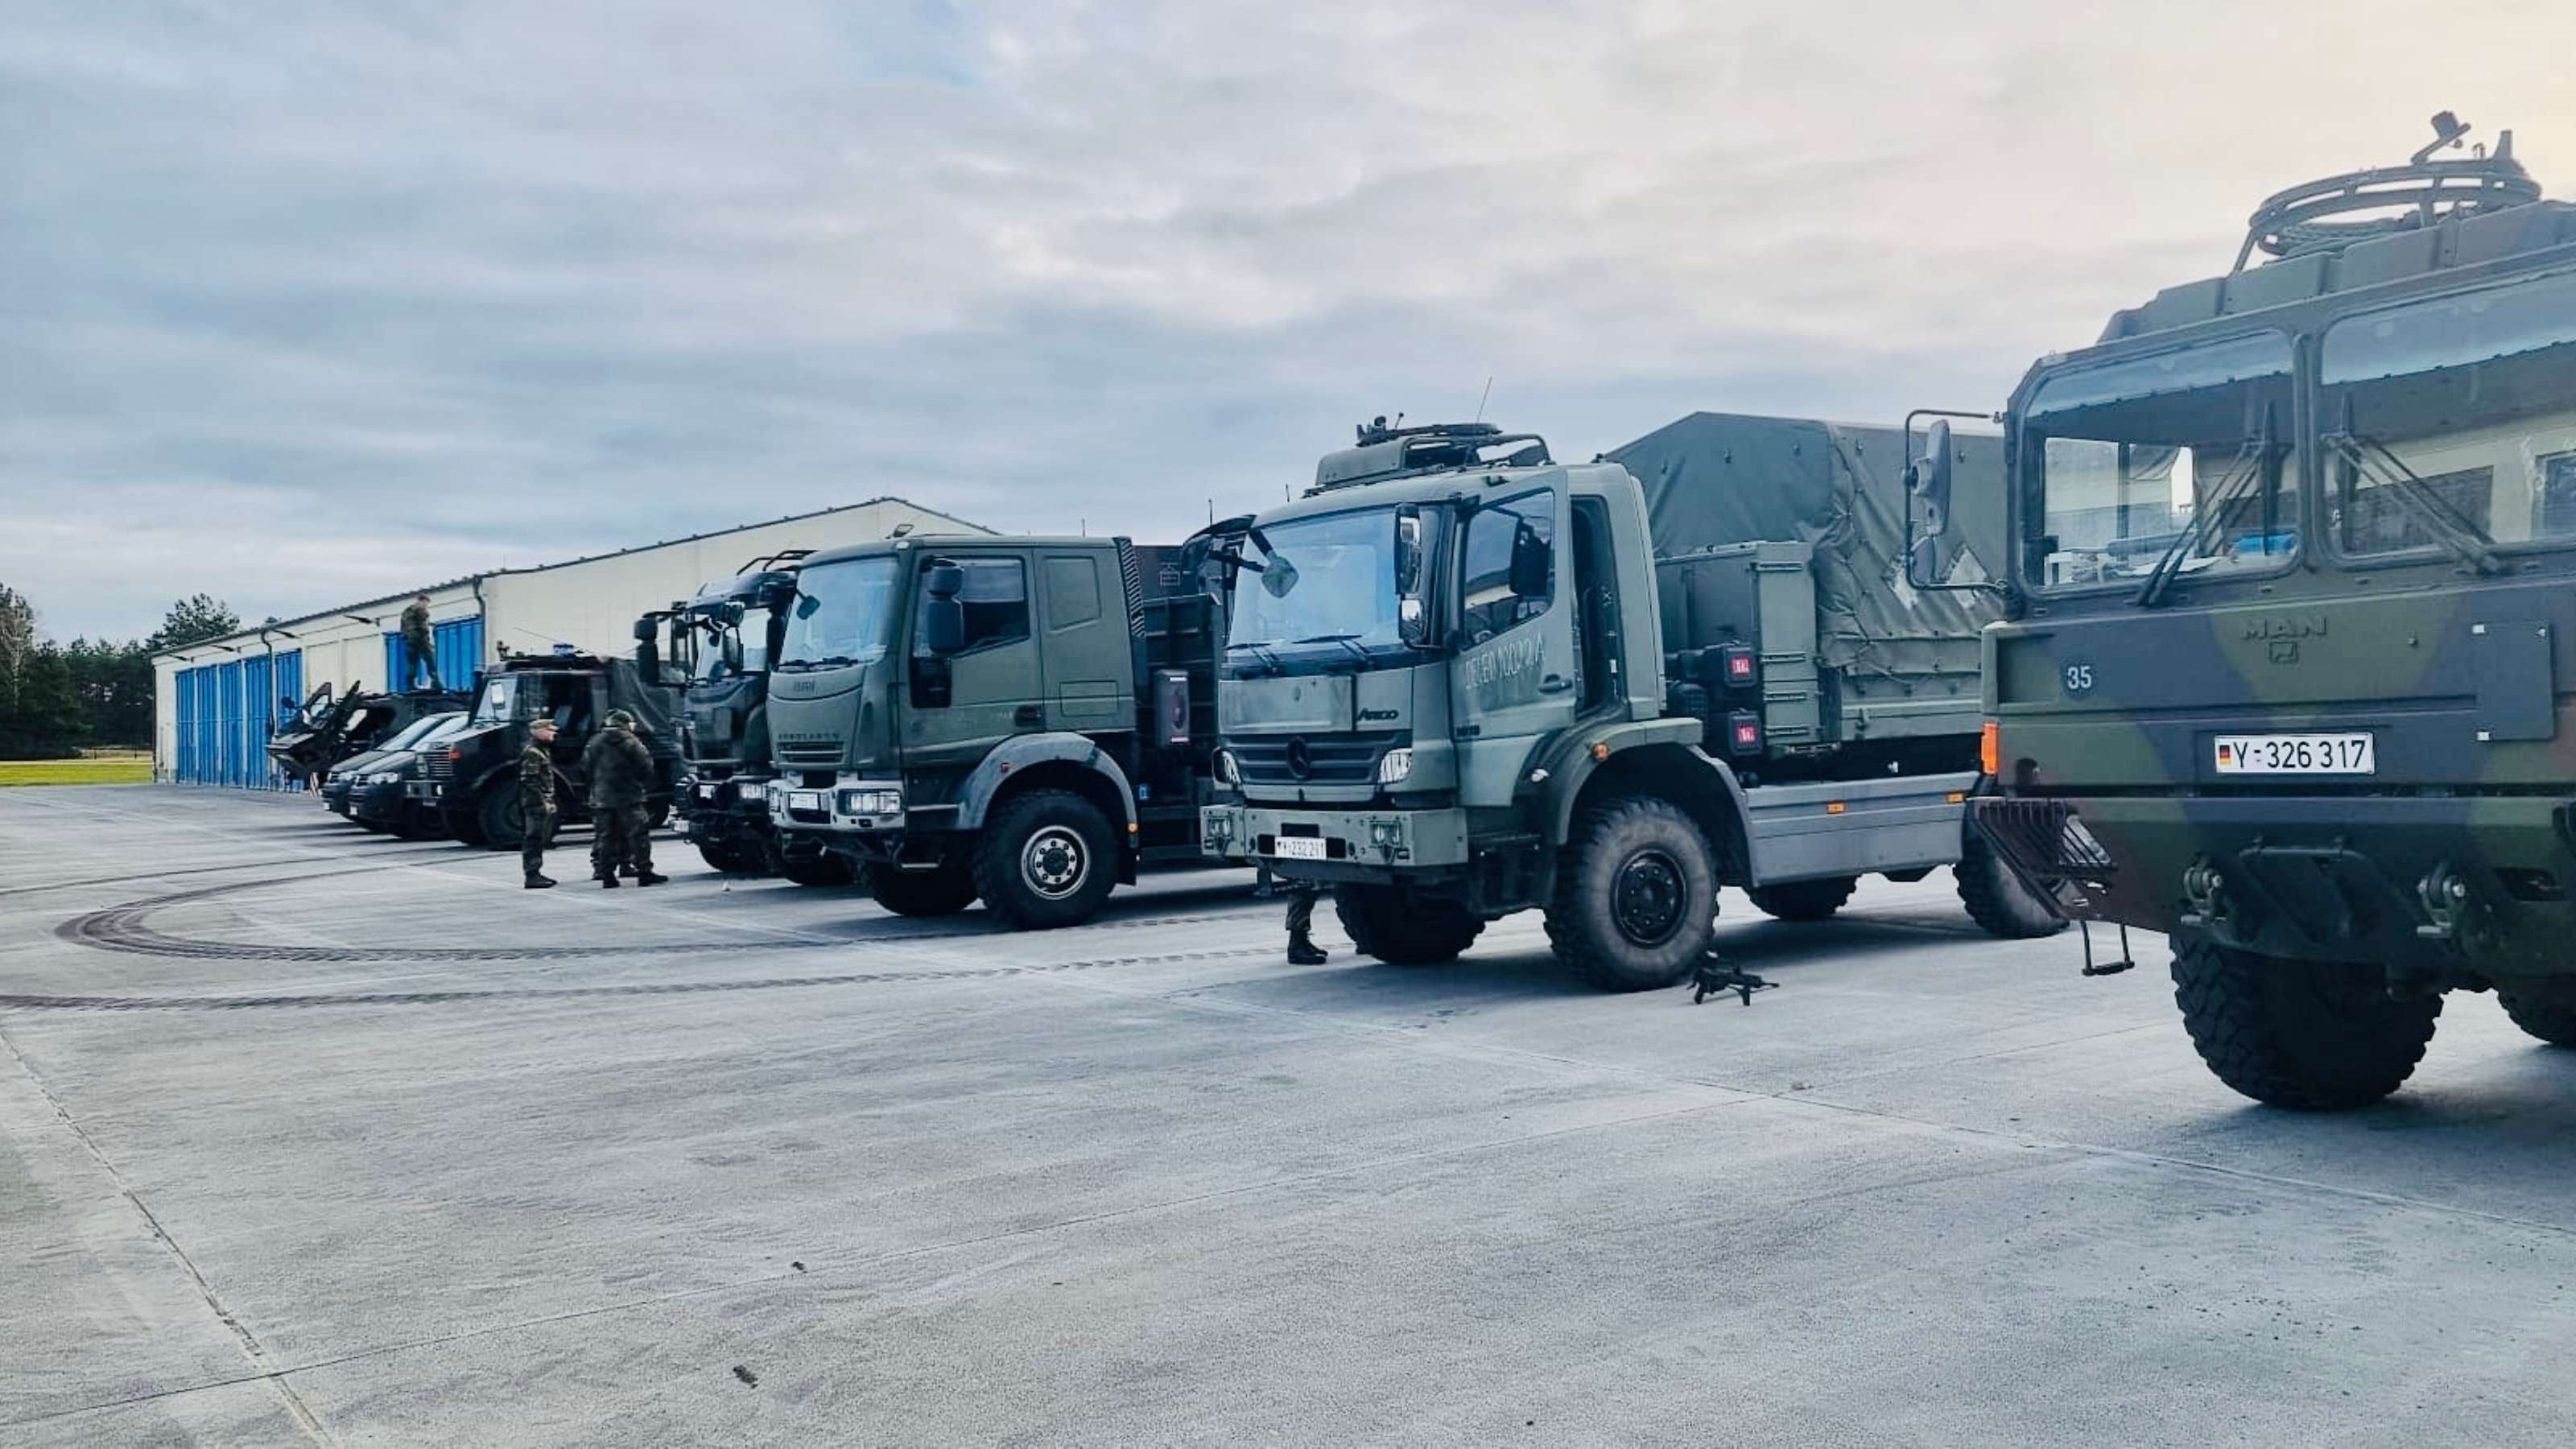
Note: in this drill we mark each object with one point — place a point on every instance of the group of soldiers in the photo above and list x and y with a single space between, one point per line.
619 768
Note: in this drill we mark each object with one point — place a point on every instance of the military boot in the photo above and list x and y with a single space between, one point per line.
646 877
608 881
1304 952
540 883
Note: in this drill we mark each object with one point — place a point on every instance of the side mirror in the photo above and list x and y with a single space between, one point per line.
1533 563
1927 483
648 629
943 614
1412 579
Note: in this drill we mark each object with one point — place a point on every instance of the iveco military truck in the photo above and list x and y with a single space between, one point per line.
1459 682
719 645
1020 720
2293 587
474 781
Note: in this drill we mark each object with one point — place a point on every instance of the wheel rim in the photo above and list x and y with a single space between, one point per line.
1646 898
1054 862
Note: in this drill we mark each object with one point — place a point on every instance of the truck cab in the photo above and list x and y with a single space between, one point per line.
2288 674
1004 719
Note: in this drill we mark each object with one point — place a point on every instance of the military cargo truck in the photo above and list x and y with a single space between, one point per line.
474 781
719 645
1024 721
1460 682
328 729
2293 585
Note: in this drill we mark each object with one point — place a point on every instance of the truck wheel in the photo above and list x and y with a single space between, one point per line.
466 826
1636 896
941 892
1402 929
826 869
728 858
1995 897
2311 1035
2550 1017
1804 900
1045 859
500 822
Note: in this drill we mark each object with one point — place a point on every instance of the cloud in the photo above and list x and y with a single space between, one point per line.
329 300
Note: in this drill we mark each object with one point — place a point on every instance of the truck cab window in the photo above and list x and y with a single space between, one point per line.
996 598
1491 593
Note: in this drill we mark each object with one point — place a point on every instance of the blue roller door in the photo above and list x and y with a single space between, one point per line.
460 654
225 714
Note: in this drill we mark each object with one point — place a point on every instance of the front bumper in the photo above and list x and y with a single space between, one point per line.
1350 839
377 802
2441 886
849 807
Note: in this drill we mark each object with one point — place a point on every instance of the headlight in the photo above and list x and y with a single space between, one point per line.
872 802
1225 769
1395 764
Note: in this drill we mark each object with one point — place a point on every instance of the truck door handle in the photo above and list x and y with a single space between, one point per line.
1026 715
1554 684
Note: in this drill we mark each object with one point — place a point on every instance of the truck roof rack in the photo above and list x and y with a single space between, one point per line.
2334 212
1386 451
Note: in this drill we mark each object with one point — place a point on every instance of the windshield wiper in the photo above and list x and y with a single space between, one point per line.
1345 640
2466 541
2246 467
828 661
1267 658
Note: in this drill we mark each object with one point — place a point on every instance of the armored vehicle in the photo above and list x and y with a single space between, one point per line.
474 781
381 796
1020 720
327 730
2293 584
1459 683
340 782
719 644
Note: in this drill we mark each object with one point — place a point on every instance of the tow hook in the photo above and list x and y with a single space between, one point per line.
2452 913
2204 892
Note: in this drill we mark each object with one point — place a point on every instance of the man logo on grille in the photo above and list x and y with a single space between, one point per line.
1301 762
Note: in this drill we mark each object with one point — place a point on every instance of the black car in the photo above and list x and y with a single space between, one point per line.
380 795
340 785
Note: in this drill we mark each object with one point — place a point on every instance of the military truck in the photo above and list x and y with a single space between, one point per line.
1460 683
1024 721
327 729
474 781
2287 669
719 645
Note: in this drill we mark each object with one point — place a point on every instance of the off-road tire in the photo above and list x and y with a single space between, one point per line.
821 871
1045 859
2308 1035
1636 896
2550 1018
1996 899
941 892
1402 929
499 821
1804 900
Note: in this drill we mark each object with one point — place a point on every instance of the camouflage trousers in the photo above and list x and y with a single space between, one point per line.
621 835
1301 909
424 658
532 844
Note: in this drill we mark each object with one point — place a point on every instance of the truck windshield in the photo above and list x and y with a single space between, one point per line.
728 650
1322 581
498 701
2163 466
843 614
2450 425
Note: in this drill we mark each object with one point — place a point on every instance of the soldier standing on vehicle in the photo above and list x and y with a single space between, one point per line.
537 802
620 770
418 640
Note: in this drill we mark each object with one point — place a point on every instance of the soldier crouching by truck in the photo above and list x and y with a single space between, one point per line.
620 771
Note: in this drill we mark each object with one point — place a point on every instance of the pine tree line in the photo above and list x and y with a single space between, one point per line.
56 698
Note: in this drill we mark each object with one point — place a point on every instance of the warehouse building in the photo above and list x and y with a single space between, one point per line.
217 702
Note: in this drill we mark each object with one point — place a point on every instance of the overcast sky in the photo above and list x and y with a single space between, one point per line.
307 303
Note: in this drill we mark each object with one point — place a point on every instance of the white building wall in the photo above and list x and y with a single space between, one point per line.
591 604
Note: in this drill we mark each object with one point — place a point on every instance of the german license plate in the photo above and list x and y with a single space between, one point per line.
1299 847
804 799
2295 755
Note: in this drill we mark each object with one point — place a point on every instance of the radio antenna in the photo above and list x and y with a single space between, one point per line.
1484 397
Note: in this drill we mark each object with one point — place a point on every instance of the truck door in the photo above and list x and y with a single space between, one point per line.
1090 656
989 690
1516 676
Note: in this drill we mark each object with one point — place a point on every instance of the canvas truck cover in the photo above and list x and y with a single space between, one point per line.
1714 479
651 704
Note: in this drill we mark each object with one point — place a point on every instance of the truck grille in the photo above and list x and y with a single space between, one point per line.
1344 759
2045 839
437 767
828 753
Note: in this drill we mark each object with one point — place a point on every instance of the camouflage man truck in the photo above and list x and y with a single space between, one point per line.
1459 682
1024 721
2292 593
716 649
474 780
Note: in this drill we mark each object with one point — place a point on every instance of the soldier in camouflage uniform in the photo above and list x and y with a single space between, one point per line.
620 770
537 801
418 640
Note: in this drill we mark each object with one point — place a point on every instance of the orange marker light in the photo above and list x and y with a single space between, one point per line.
1835 807
1990 749
1958 797
1600 751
